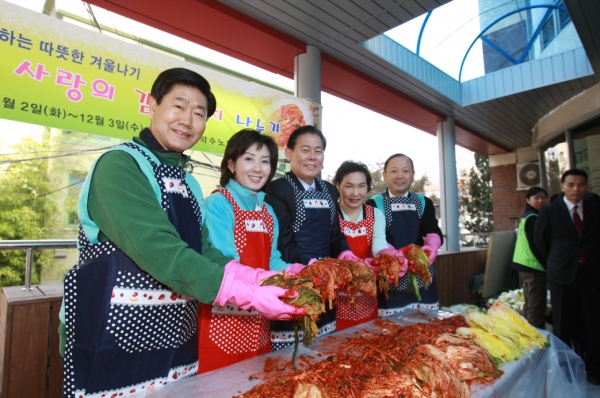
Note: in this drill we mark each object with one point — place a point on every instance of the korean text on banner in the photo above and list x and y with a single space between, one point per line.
60 75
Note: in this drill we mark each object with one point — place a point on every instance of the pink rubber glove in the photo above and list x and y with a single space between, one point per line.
295 268
372 264
432 242
404 263
248 274
264 299
388 250
347 255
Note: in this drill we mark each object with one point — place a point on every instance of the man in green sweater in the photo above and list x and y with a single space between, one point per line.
130 306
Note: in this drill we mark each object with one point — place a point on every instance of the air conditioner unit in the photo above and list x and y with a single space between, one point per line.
528 175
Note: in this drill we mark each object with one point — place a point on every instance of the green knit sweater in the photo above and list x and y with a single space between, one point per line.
124 207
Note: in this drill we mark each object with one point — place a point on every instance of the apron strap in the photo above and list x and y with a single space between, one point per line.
228 196
89 227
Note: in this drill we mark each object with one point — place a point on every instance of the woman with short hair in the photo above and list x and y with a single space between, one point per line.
241 225
364 228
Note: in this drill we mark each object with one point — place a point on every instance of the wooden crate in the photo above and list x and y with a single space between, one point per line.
30 364
453 271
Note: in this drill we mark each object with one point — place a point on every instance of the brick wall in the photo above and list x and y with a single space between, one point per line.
507 201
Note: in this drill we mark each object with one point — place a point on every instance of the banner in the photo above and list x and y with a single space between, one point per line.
60 75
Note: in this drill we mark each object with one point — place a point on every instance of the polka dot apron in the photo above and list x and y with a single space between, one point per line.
403 225
127 332
359 237
229 334
315 212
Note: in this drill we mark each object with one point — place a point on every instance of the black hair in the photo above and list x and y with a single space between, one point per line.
350 166
238 144
396 156
170 77
532 192
305 130
573 172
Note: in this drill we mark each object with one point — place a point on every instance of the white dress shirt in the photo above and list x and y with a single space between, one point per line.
570 206
394 196
306 186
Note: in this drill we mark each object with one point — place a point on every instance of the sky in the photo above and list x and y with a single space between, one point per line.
449 32
346 138
346 126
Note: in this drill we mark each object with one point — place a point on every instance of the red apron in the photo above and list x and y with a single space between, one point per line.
229 334
359 237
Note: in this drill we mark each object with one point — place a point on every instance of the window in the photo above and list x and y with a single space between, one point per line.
556 22
563 18
586 145
548 31
556 157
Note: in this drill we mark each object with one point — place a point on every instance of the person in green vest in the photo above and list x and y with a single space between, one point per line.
529 261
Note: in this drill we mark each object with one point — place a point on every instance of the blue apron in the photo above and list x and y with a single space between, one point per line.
403 224
127 332
315 212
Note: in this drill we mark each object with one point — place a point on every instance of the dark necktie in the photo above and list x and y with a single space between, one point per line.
578 226
310 189
577 220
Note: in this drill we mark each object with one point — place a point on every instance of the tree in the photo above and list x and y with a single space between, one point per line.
26 212
418 186
553 172
478 216
463 193
436 204
377 183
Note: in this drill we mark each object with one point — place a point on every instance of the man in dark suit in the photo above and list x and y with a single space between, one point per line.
567 233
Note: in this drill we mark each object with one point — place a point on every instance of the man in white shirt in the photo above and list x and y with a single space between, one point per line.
567 233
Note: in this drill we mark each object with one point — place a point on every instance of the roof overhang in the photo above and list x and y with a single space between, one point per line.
269 34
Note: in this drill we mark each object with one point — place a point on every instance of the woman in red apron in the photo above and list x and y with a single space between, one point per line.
241 225
364 228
